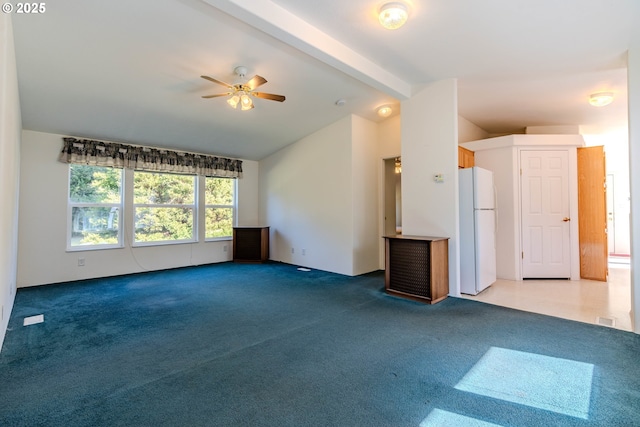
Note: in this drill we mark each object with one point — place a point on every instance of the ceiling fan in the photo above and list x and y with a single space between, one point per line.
240 93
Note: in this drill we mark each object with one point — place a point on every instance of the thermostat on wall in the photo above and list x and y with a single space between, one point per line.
438 177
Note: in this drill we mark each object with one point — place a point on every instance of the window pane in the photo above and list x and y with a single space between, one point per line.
163 224
94 226
219 222
163 188
219 191
94 184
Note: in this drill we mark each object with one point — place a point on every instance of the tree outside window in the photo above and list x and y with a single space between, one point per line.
219 207
164 207
95 207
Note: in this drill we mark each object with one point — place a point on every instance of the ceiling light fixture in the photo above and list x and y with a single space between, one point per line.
398 165
601 99
240 94
385 111
242 99
245 102
393 15
234 100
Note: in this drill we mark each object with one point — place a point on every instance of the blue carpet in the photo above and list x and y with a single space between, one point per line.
267 345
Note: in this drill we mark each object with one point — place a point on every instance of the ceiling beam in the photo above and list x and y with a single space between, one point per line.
283 25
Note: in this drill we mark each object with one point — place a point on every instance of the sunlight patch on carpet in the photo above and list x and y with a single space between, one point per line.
440 418
559 385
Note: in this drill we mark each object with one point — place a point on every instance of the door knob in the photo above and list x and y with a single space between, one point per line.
566 219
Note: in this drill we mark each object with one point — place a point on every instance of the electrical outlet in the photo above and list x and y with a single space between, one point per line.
80 262
224 248
293 251
304 252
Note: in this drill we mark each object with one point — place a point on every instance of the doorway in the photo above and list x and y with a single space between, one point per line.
392 196
611 225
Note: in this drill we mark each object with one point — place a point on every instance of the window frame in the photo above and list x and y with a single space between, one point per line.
71 205
233 207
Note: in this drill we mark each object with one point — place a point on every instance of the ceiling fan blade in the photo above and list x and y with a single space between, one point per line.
211 79
217 95
255 82
269 96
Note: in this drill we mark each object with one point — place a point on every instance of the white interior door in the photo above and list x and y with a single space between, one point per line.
546 250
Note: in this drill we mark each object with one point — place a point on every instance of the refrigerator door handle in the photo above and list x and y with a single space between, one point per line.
495 210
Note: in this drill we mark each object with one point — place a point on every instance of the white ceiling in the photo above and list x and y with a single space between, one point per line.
128 71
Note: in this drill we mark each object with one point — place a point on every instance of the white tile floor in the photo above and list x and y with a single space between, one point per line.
603 303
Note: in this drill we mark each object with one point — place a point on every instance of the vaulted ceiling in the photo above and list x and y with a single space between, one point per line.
129 71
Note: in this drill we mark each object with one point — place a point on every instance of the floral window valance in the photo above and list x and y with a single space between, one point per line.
116 155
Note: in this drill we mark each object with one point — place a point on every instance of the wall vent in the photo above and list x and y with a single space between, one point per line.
606 321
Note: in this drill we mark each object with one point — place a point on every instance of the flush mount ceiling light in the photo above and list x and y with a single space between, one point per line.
393 15
601 99
385 111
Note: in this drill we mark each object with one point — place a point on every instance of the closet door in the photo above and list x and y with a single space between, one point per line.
546 243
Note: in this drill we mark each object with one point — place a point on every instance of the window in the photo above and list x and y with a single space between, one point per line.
95 207
163 207
219 207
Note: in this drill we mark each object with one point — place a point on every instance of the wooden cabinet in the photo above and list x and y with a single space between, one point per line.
250 244
417 267
465 158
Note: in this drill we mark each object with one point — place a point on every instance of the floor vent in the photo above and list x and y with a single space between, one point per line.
32 320
605 321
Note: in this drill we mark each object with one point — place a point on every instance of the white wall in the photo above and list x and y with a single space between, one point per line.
318 195
247 199
552 130
633 77
429 147
468 131
389 137
365 167
305 197
10 126
42 256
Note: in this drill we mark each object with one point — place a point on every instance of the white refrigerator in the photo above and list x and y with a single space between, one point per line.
477 230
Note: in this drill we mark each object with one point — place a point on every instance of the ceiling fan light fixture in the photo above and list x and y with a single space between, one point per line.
601 99
240 94
393 15
245 102
233 101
